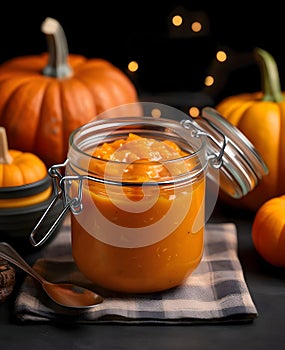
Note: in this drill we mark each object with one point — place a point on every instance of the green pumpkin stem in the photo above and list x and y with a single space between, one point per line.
269 76
5 157
57 48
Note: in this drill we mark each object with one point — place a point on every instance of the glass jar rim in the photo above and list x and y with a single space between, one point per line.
90 135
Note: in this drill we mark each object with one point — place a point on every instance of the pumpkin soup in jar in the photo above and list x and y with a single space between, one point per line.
136 180
140 224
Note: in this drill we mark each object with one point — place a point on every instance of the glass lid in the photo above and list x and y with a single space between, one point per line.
242 166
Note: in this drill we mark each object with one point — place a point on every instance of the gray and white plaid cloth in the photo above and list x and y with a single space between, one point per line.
216 292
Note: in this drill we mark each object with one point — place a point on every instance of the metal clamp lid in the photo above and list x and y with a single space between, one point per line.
242 167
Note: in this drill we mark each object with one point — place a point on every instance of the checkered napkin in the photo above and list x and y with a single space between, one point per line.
215 292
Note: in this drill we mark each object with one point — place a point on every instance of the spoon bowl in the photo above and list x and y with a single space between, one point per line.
65 294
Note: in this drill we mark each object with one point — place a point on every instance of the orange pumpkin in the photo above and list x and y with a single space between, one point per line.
261 117
18 168
268 231
43 98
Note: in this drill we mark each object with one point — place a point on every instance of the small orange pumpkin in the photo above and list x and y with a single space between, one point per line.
18 168
43 98
261 117
268 231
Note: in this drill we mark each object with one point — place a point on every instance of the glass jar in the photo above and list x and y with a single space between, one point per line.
137 234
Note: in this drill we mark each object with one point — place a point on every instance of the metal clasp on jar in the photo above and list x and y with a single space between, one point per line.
215 159
75 204
61 185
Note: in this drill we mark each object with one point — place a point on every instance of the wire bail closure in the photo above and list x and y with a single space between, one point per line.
59 194
216 160
60 183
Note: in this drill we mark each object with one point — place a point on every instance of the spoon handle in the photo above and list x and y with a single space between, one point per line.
9 253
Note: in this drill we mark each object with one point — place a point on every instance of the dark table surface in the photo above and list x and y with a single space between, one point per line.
266 285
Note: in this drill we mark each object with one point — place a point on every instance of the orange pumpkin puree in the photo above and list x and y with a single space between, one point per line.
178 210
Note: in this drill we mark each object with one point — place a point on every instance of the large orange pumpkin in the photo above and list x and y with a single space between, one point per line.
261 117
268 231
43 98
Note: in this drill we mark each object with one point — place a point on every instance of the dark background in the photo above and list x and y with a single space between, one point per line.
139 30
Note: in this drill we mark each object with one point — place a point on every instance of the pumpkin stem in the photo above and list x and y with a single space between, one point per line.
270 77
5 157
57 48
